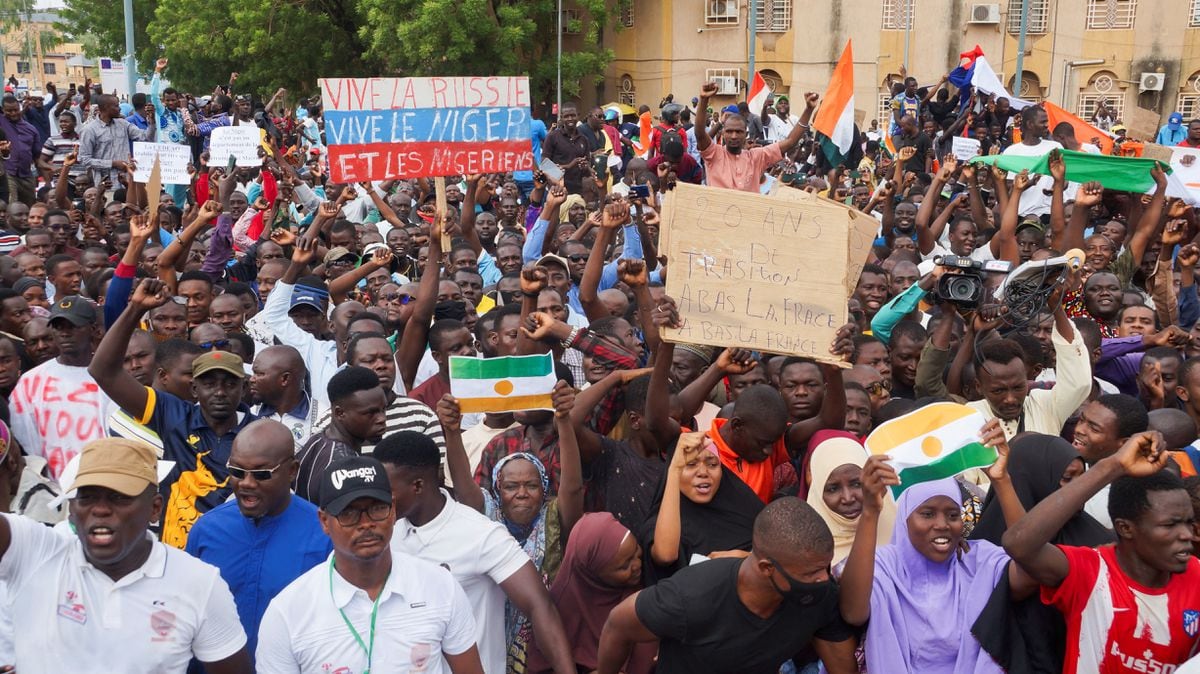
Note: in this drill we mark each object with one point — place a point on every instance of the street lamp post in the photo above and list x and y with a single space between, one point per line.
130 61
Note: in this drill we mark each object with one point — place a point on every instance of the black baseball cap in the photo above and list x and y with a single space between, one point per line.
352 478
78 310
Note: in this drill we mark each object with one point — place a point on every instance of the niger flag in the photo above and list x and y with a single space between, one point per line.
1084 132
834 124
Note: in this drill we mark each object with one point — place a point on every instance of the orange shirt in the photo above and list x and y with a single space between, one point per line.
760 476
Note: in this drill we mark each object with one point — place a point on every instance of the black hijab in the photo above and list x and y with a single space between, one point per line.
1036 463
724 523
1026 636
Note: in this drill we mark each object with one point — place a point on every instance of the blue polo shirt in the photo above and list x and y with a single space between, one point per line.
258 559
199 480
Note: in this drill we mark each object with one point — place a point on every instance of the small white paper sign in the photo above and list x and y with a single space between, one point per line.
243 142
173 162
964 148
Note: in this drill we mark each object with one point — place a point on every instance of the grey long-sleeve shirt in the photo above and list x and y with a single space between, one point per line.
100 144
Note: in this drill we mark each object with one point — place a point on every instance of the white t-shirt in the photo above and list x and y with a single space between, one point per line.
777 129
480 554
55 409
70 617
422 614
1035 201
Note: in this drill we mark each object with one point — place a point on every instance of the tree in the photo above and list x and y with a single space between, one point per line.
486 37
292 43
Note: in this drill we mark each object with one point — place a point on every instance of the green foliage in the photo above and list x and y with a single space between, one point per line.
291 43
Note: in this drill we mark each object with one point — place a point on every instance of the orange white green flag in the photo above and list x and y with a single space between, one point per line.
834 123
937 441
504 384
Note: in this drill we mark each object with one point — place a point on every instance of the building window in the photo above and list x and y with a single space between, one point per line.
1188 106
883 111
49 69
628 94
1115 102
727 80
898 14
1194 13
1111 14
23 68
572 23
773 16
1039 13
627 13
717 12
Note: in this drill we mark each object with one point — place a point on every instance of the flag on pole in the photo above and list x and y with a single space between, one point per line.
759 92
974 71
937 441
834 124
504 384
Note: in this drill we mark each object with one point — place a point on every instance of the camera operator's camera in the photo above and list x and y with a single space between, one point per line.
966 287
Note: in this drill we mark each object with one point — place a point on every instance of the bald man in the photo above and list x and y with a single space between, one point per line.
266 537
278 391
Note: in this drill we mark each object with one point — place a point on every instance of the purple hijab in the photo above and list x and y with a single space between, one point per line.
922 612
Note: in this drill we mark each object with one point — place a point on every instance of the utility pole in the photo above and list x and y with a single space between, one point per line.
907 5
1021 48
130 61
753 21
558 82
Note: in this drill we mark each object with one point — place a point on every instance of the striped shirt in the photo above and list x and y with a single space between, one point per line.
405 414
55 151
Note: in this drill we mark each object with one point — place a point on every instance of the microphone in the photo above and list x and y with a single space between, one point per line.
1075 258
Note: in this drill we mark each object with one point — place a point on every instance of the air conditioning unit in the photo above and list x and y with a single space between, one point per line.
1151 82
726 86
985 14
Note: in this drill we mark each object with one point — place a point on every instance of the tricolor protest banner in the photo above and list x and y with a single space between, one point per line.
504 384
381 128
937 441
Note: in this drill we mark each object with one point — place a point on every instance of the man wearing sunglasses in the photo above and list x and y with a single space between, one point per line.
266 538
367 605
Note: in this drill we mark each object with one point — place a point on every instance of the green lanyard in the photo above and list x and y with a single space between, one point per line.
368 649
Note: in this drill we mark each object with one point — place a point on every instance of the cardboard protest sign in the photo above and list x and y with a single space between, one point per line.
379 128
759 272
861 236
173 159
243 142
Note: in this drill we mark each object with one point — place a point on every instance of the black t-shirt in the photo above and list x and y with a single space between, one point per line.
922 143
704 627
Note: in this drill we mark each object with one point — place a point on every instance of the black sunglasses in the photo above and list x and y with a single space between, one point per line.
215 344
260 475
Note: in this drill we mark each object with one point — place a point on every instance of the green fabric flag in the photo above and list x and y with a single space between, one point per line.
1124 174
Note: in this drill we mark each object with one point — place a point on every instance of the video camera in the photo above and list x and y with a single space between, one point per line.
966 287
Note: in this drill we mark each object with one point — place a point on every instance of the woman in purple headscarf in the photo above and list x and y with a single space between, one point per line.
924 590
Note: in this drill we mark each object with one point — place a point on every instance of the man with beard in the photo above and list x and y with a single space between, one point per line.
728 164
198 436
265 538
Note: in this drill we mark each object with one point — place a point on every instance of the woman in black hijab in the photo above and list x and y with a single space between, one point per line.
1028 637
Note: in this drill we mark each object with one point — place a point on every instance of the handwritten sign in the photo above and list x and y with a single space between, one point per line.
763 273
863 229
173 159
964 148
409 127
243 142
